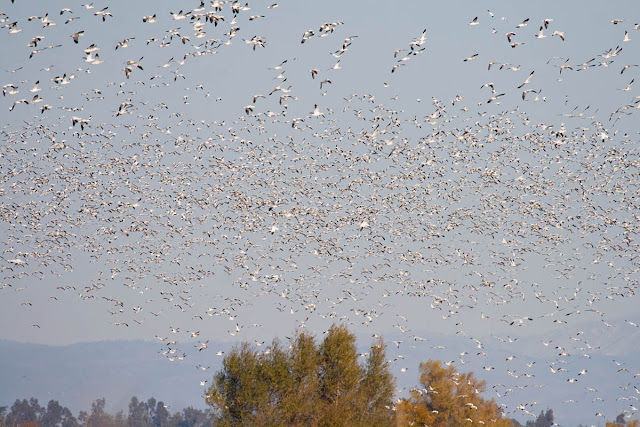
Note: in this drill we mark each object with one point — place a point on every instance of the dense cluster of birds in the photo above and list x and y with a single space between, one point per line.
472 214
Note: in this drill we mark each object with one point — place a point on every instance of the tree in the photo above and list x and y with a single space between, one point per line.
175 420
53 414
83 417
299 391
160 416
448 398
543 420
548 416
29 412
99 417
621 422
57 416
25 411
68 420
377 387
192 417
339 374
304 384
238 392
119 420
138 413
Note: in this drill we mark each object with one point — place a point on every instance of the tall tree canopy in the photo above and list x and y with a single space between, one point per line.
29 412
448 398
304 384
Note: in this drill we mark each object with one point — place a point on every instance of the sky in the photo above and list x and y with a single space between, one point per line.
399 170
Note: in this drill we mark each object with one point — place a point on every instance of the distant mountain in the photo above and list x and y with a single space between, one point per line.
75 375
517 372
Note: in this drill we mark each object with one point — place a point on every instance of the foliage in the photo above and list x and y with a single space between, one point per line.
29 412
622 422
305 384
24 411
448 398
543 420
151 413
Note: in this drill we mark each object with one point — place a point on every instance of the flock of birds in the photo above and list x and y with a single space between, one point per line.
471 216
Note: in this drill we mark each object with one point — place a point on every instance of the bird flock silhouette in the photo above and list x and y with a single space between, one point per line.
147 176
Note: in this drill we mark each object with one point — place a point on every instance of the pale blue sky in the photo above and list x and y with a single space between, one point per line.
411 204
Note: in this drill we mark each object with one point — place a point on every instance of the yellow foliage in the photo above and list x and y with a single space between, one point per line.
448 398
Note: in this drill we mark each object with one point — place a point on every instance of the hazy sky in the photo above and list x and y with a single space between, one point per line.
401 170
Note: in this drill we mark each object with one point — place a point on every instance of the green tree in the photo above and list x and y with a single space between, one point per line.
98 416
25 411
192 417
138 413
175 420
160 416
377 387
57 415
68 420
448 398
53 415
83 417
238 392
543 420
300 403
29 412
339 375
304 384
